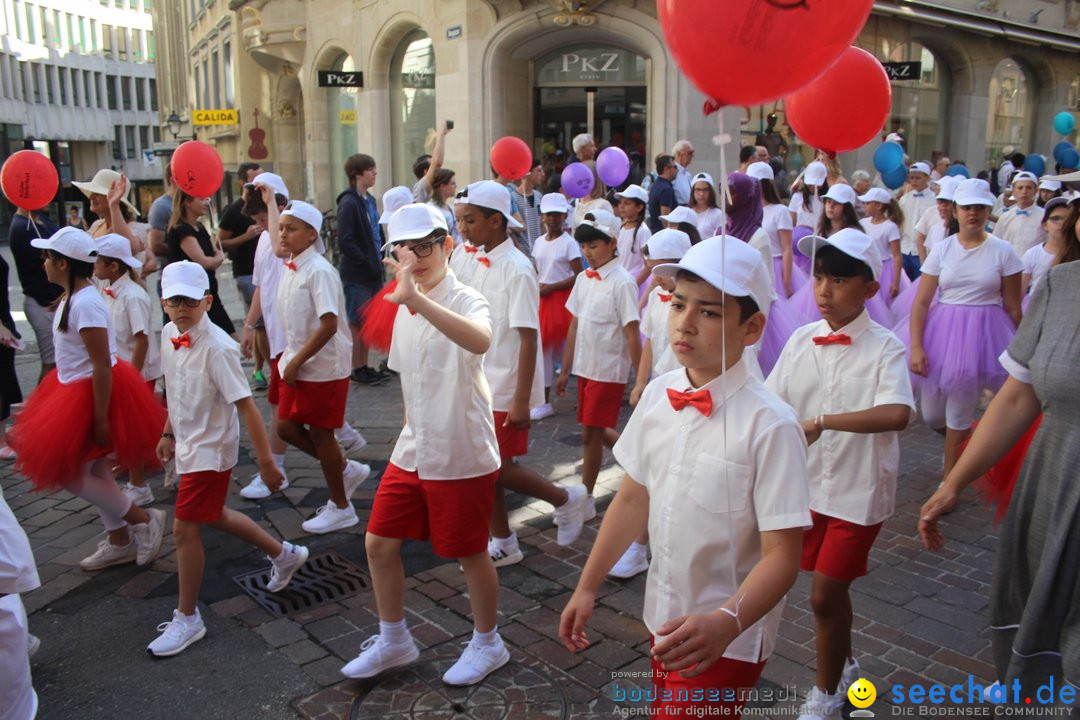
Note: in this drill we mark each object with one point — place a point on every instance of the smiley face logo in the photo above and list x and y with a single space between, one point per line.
862 693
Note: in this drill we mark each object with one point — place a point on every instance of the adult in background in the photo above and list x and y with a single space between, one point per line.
107 193
528 198
584 148
361 268
427 167
662 192
188 239
683 152
747 155
39 295
10 392
238 236
860 182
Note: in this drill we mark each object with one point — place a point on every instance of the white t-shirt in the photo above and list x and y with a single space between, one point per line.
927 220
971 277
882 234
710 222
1037 263
88 310
935 235
267 275
654 326
803 217
129 310
603 307
304 296
553 257
774 219
629 244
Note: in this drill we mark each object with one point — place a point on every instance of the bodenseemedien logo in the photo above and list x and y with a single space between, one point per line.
862 694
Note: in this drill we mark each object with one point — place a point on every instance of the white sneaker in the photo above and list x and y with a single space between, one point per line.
353 446
590 510
283 570
377 656
177 634
330 518
354 476
821 705
141 496
476 663
541 411
570 517
633 562
257 489
108 554
505 552
147 537
851 673
33 644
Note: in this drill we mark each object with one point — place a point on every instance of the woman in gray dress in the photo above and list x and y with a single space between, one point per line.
1035 595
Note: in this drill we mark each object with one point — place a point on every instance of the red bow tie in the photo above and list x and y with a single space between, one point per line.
700 399
663 297
471 248
484 261
589 273
110 293
411 311
290 265
836 339
182 340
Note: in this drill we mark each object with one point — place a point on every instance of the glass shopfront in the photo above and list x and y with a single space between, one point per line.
341 115
412 104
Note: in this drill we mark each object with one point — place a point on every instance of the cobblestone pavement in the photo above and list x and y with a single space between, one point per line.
919 617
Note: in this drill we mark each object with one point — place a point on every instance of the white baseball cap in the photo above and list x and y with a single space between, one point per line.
947 187
726 263
1024 175
1048 184
304 211
394 199
271 180
603 221
634 192
491 195
815 174
184 279
875 194
894 137
702 177
920 166
668 244
760 171
117 247
70 242
681 214
554 203
849 241
841 193
973 191
413 222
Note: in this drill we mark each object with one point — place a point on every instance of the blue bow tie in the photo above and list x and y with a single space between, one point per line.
1023 212
918 194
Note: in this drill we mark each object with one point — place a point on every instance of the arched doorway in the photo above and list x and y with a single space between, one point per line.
1011 111
412 103
919 102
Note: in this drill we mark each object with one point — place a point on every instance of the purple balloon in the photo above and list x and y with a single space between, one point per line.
577 180
612 166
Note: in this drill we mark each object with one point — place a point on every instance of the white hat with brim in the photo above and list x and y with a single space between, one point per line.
311 216
849 241
394 199
100 184
71 242
1047 184
920 167
974 191
841 193
947 187
668 244
681 214
815 174
726 263
184 279
760 171
1025 175
271 180
603 221
554 203
633 192
876 194
415 221
491 195
117 247
702 177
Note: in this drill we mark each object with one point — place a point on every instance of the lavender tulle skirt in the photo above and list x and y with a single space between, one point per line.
781 324
886 283
798 276
802 261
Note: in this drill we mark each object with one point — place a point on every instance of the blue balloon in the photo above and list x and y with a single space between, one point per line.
1070 159
960 170
896 177
888 156
1035 164
1064 122
1060 148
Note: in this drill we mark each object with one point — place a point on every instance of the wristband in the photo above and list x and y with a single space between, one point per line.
249 327
168 435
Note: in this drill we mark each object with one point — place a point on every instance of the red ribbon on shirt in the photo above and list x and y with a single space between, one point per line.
182 340
484 261
471 249
110 293
663 297
590 273
290 265
699 399
836 339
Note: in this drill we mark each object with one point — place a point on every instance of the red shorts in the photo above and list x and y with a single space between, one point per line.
722 687
837 548
453 514
201 496
513 442
599 402
152 384
318 404
274 391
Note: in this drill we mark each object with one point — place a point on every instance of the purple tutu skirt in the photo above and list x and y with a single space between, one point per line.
886 283
803 305
1026 301
800 260
798 276
962 343
781 324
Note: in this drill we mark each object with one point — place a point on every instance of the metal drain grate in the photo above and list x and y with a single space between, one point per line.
323 579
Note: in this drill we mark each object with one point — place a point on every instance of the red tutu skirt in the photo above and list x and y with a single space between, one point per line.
554 318
54 434
998 483
377 319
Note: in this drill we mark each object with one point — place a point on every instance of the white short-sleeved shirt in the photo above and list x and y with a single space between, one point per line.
630 254
711 497
18 573
971 277
129 311
654 325
913 204
852 475
267 276
1037 264
603 307
553 257
513 294
710 222
449 431
88 310
304 296
205 381
463 261
774 219
935 235
929 218
803 217
1021 228
882 234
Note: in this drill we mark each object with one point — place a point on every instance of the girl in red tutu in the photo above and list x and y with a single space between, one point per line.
90 407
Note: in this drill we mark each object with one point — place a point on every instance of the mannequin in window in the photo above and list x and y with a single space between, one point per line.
772 140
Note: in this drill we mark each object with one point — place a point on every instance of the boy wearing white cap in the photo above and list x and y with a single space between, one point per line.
710 431
208 391
558 263
129 310
440 483
315 363
847 377
916 200
1021 224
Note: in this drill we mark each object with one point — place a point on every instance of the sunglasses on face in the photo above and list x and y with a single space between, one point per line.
175 302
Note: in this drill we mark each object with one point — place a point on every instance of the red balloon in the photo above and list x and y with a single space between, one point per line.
844 108
197 169
29 180
511 157
748 52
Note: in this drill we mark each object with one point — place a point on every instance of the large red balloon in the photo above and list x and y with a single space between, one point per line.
846 107
29 180
197 169
511 157
748 52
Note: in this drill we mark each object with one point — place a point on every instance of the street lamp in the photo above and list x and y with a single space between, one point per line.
174 122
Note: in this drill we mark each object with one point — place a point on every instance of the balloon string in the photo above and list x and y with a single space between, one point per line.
30 217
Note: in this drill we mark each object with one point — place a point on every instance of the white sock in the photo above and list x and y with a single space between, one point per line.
640 547
346 433
286 548
510 541
279 460
192 618
486 639
394 632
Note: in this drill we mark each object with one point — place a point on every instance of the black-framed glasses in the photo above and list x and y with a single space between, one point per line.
421 250
187 302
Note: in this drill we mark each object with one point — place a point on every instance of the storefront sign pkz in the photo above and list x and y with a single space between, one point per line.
903 70
340 79
593 65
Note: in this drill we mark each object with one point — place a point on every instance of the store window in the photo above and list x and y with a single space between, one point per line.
1012 101
412 103
341 115
918 98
